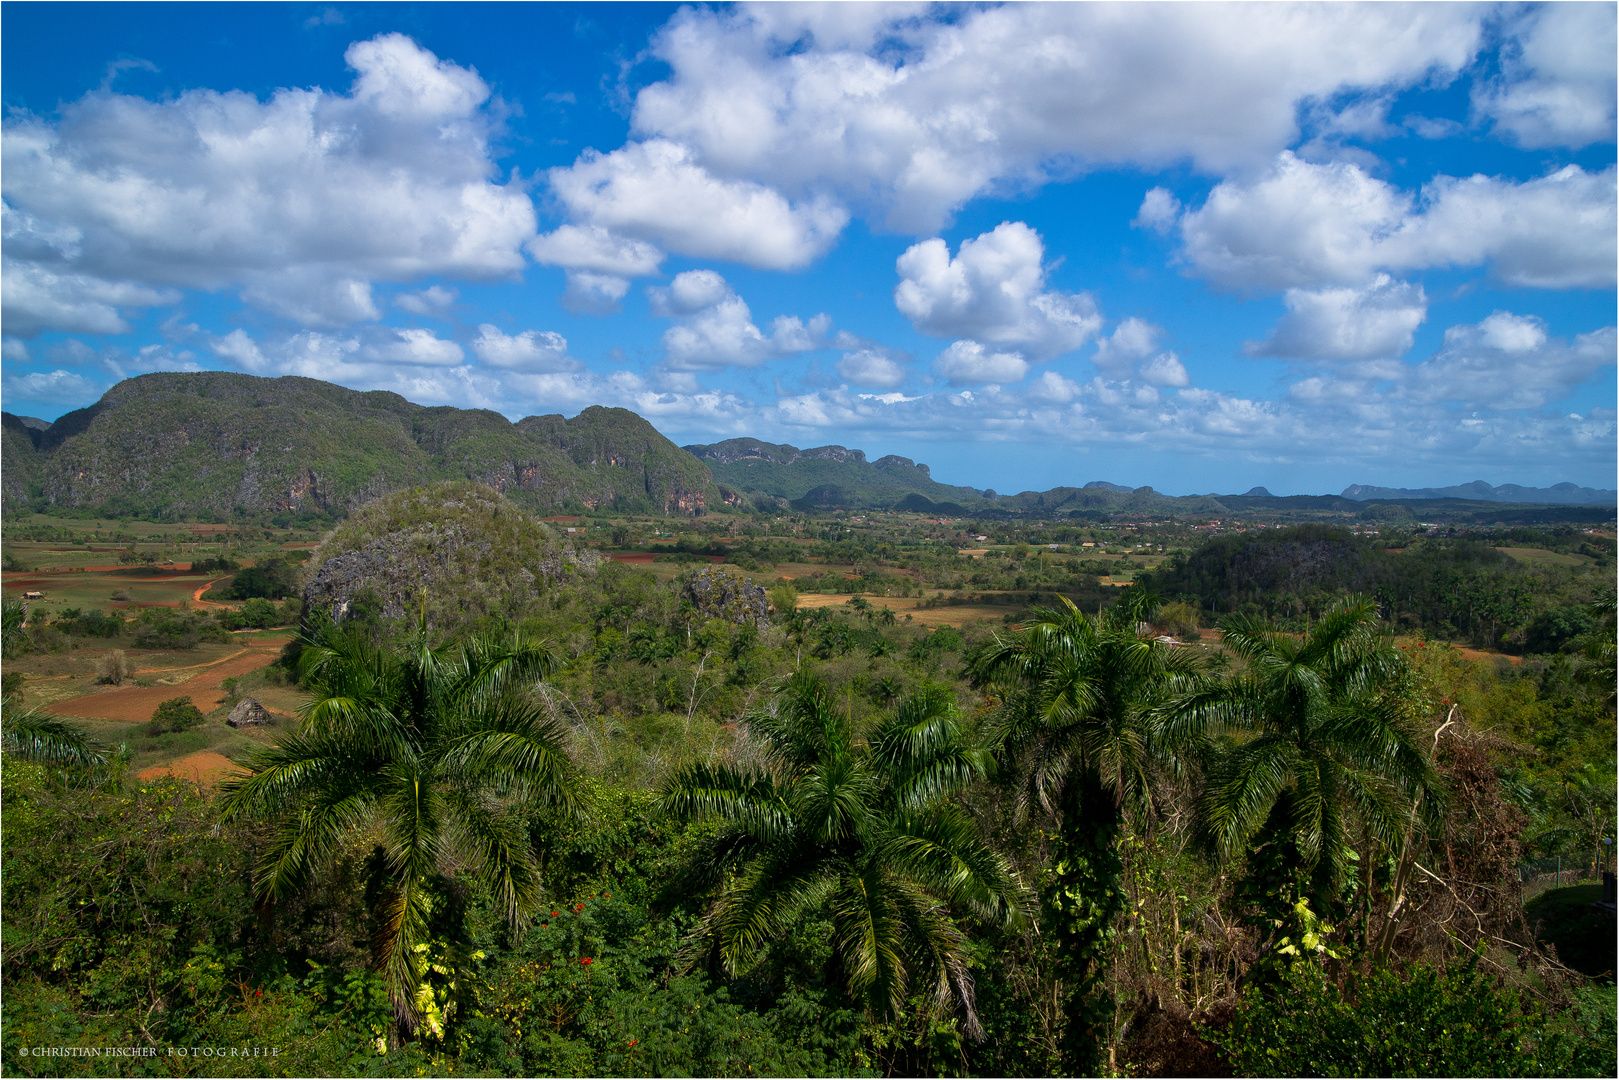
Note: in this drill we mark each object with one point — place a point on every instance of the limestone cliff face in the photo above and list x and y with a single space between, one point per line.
455 550
221 443
602 438
719 595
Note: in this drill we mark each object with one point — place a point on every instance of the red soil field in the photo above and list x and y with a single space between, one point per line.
204 769
644 557
135 704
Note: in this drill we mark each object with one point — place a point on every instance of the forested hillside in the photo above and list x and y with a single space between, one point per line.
1490 592
830 476
227 445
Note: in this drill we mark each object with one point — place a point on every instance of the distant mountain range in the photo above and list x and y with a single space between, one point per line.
1564 494
196 444
217 443
831 476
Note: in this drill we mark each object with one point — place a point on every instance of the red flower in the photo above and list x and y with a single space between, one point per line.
607 896
579 907
553 914
586 961
632 1042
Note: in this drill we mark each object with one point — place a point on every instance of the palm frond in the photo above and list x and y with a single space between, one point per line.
37 736
924 751
403 926
305 840
280 776
1245 787
869 931
413 816
725 852
940 849
750 801
515 748
802 723
490 665
930 932
834 798
500 850
765 901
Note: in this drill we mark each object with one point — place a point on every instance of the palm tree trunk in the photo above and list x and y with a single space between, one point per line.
1081 905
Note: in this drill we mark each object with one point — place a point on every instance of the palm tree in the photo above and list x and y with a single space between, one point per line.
13 621
36 736
864 831
1079 694
432 749
1324 741
1078 727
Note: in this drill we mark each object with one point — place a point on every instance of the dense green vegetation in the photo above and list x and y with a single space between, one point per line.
1450 587
271 579
622 821
298 451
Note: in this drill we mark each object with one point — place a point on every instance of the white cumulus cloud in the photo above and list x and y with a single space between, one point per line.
1509 361
1556 86
416 347
715 328
689 293
656 192
993 291
872 366
913 111
1305 225
433 302
1375 322
34 298
51 388
1133 349
531 350
301 200
599 264
969 363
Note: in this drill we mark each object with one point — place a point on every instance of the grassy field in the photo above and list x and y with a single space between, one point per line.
1541 557
909 606
106 589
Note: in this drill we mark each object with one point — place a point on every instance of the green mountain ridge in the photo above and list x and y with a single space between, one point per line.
205 444
1566 493
221 443
829 477
824 477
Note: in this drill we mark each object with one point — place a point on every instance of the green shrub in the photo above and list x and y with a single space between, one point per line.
167 628
1420 1023
256 614
272 579
175 714
90 623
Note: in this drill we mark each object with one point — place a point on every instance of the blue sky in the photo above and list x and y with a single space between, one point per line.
1201 246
